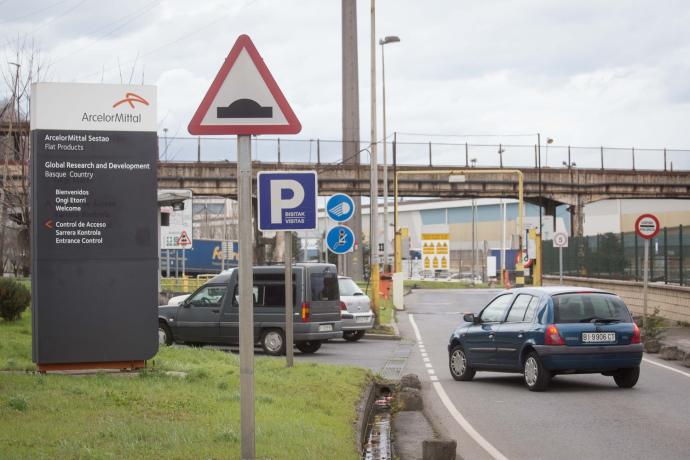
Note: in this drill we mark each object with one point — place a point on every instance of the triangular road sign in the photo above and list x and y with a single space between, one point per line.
184 240
244 98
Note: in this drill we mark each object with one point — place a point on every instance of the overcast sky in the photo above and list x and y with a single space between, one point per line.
586 72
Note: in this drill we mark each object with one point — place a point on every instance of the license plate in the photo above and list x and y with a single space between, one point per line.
325 328
362 319
598 337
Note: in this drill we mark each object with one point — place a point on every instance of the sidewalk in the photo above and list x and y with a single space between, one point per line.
675 345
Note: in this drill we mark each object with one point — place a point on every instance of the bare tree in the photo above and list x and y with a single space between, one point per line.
24 68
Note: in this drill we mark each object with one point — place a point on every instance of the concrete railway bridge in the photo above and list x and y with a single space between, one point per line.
575 187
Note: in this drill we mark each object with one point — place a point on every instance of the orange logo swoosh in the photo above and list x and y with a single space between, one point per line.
131 98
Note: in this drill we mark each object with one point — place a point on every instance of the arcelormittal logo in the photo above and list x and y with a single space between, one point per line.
131 98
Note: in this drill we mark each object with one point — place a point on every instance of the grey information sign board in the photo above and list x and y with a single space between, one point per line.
94 223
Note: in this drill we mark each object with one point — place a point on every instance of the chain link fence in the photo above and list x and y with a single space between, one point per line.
319 151
620 256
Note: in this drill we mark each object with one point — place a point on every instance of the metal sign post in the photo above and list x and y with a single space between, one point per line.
646 226
645 281
245 100
244 195
560 240
289 305
560 266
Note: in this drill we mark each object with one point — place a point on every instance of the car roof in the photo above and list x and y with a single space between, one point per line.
555 290
225 276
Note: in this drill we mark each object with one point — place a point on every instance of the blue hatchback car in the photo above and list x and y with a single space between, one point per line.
542 332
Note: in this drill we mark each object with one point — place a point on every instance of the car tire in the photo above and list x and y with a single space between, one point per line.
627 378
353 336
273 342
308 347
165 336
537 377
459 364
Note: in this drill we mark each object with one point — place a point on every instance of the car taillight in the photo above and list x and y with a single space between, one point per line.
343 306
636 334
305 312
552 336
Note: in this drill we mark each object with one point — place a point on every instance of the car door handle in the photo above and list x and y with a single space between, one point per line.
216 310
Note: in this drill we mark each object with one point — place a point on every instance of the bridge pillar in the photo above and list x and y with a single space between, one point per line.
577 214
550 210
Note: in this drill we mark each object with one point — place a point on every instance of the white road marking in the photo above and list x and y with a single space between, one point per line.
666 367
428 365
426 360
425 354
431 371
455 413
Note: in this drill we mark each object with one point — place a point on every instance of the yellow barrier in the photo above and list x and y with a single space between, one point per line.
181 285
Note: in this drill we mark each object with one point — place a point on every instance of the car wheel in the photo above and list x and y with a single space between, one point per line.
308 346
164 334
353 336
458 364
273 342
627 378
536 375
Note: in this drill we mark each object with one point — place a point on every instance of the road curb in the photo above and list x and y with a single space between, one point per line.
382 336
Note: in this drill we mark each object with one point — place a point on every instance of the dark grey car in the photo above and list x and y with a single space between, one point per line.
211 314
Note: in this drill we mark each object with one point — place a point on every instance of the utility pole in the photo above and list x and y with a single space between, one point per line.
374 183
350 137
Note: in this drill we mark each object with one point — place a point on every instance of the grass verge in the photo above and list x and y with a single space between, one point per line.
305 412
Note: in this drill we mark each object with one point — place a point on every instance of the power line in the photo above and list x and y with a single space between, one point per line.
177 40
128 18
34 12
55 18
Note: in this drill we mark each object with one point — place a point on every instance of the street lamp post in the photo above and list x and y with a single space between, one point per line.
386 243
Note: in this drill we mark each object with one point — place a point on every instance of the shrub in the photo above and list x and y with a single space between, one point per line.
14 299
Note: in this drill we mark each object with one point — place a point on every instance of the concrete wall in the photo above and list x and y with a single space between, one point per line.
673 301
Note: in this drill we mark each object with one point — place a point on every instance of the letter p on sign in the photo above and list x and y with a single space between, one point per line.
279 203
287 201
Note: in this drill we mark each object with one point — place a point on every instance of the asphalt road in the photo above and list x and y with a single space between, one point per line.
579 417
369 353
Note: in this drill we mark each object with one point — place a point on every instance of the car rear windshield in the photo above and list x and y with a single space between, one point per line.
589 307
348 287
324 286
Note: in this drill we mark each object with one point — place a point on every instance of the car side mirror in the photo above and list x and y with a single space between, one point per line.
186 304
470 318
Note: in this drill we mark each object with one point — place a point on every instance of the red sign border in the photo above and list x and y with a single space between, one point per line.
293 125
637 226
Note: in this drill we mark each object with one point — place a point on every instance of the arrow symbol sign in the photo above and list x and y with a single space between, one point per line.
48 224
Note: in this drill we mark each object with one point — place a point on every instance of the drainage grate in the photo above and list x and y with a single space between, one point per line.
393 368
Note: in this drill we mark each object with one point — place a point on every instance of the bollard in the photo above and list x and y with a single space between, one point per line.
439 449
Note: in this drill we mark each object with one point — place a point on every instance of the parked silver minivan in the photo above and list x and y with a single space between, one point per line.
211 314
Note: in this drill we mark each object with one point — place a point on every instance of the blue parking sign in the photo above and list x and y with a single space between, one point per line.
340 239
287 201
340 207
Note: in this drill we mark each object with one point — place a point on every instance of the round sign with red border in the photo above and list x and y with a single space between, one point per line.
647 226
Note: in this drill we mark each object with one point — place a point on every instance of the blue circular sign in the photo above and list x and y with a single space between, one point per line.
340 207
340 239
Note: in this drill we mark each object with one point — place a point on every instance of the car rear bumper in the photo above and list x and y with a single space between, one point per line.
590 357
357 322
310 331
